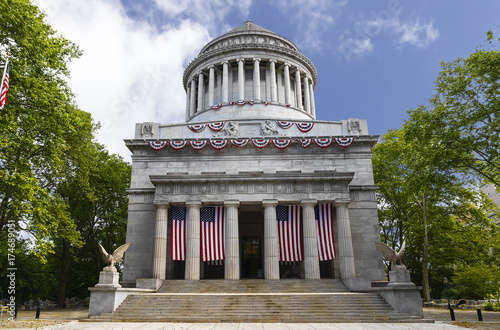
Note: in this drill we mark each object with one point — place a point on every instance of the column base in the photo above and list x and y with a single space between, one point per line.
357 283
148 283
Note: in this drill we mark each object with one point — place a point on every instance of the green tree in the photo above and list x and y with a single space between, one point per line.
39 126
430 170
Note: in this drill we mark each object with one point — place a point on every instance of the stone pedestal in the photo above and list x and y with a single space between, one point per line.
402 294
108 280
400 277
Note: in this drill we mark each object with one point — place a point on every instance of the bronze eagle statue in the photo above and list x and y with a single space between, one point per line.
112 258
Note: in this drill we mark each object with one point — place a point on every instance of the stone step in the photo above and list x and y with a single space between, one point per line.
254 301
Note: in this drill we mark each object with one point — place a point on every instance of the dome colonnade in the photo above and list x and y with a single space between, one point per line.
250 64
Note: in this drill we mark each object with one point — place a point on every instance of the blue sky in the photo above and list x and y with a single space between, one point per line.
375 59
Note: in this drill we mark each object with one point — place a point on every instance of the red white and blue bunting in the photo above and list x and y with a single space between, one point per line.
178 144
197 128
306 142
216 106
198 144
344 142
304 127
218 144
158 145
216 126
323 142
281 144
284 124
240 102
259 143
239 143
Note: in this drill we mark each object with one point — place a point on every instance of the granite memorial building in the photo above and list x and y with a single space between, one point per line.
252 184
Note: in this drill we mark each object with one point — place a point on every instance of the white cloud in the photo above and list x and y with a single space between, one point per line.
312 18
360 40
416 34
204 10
129 71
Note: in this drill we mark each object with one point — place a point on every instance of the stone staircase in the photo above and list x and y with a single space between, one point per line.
255 301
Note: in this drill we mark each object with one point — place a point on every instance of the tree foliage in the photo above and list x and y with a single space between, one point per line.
39 127
59 189
445 152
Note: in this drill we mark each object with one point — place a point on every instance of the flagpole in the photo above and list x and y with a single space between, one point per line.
4 72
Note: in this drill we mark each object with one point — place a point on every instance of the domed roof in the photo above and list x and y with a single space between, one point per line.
247 30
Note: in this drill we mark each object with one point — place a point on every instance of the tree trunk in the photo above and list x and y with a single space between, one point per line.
63 275
425 273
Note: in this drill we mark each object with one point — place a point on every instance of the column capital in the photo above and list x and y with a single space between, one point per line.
256 59
193 204
286 64
342 202
211 66
232 202
240 60
273 61
201 73
308 202
297 70
224 62
161 205
269 202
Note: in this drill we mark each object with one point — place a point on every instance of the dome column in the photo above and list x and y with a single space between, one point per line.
241 79
192 101
225 84
313 107
306 94
274 90
211 85
256 78
188 100
286 71
298 89
201 91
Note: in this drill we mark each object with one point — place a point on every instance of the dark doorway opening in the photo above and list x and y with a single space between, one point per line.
251 255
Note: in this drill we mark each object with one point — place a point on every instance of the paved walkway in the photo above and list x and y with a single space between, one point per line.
75 325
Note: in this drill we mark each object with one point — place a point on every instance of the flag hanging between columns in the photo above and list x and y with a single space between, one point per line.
4 85
212 233
289 233
178 241
324 231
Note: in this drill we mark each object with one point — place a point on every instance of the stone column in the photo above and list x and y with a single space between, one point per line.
298 89
256 78
159 266
193 241
345 250
188 100
306 94
170 262
232 251
225 83
241 79
271 255
287 83
311 256
201 91
274 90
211 85
192 101
311 96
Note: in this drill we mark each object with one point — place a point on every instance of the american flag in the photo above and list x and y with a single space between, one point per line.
5 85
289 232
212 233
323 216
178 241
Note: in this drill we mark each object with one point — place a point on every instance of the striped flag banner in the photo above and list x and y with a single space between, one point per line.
289 232
212 233
324 214
4 85
178 241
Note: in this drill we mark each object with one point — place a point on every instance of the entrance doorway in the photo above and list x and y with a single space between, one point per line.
251 257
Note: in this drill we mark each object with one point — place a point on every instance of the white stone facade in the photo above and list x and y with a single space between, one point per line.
276 85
